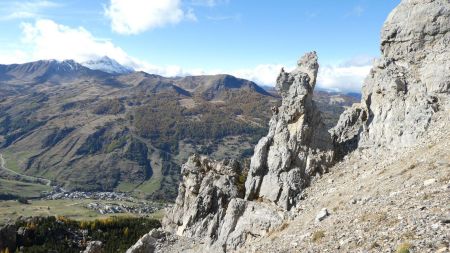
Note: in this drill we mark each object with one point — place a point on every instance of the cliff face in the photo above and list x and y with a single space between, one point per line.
406 87
211 204
203 196
297 146
408 84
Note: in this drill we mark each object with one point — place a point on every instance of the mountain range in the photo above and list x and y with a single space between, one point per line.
108 128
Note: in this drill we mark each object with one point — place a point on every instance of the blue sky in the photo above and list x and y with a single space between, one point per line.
248 38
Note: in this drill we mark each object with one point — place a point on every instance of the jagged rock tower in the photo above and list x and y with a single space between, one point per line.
298 145
407 85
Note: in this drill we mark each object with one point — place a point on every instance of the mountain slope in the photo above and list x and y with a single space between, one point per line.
217 86
89 130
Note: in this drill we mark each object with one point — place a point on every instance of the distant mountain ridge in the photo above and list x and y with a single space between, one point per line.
91 130
107 65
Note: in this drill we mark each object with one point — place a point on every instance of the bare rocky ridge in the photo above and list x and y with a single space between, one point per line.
389 189
208 186
210 206
408 84
297 146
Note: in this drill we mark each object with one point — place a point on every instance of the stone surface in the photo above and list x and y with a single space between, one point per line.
203 196
147 244
297 146
210 207
246 221
8 237
410 82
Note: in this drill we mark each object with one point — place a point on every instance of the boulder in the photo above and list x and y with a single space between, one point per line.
297 146
147 244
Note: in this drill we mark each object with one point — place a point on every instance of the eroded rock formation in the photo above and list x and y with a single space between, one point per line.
408 84
297 146
210 206
405 88
203 196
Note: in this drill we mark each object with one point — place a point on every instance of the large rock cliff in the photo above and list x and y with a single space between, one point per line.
204 193
408 84
211 204
210 207
297 146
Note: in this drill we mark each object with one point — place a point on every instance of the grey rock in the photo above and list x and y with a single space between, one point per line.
147 244
210 207
322 215
8 237
203 197
94 247
409 83
297 146
246 221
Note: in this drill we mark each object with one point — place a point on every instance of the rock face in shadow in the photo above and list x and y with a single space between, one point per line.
409 83
297 146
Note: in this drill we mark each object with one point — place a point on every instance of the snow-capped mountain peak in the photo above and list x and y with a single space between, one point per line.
108 65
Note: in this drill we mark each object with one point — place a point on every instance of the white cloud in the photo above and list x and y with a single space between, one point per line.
136 16
46 39
49 40
25 9
340 78
209 3
347 76
264 74
13 56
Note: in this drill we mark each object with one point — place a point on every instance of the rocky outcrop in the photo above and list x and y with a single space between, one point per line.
405 88
204 193
409 83
210 206
297 146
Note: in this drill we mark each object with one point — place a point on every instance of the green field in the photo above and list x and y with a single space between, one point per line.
73 209
22 189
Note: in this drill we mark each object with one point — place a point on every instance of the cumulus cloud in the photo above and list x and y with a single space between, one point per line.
136 16
49 40
346 76
342 78
46 39
264 74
